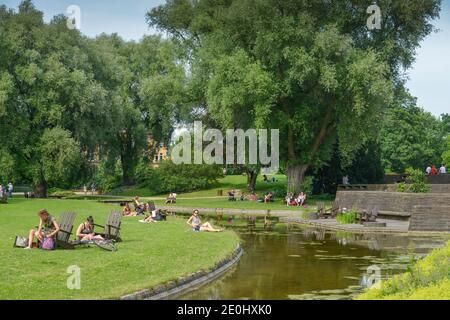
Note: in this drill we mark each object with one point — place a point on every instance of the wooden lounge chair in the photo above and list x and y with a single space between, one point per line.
111 229
335 209
65 230
370 215
321 210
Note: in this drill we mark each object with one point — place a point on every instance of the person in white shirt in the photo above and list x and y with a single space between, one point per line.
442 169
10 189
428 170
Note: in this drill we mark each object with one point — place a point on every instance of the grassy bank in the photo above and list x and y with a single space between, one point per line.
226 183
150 254
428 279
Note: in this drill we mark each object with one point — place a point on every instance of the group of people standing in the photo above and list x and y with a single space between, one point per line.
432 170
6 190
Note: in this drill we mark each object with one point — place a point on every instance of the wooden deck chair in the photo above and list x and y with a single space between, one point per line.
321 210
65 230
334 210
111 229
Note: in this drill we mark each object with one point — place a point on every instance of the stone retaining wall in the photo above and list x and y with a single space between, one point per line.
434 188
437 179
436 206
430 218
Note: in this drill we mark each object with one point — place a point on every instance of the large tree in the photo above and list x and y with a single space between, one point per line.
145 82
310 68
410 137
50 103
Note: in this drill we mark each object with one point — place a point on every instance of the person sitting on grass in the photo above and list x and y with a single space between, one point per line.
196 224
253 197
85 231
301 199
126 212
172 198
268 197
288 198
156 215
231 195
48 228
138 206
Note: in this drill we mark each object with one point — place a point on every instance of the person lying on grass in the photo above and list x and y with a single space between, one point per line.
85 231
196 224
48 228
155 216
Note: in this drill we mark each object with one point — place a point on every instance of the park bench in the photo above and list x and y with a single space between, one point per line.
65 230
111 229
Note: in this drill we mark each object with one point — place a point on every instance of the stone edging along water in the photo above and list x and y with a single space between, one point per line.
188 283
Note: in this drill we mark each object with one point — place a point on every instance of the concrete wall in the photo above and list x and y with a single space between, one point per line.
429 211
430 218
437 179
434 188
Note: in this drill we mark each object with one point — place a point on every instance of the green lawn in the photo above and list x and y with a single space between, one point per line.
224 203
150 254
225 184
238 182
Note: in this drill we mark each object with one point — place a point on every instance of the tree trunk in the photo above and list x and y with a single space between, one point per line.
127 171
295 175
40 189
251 180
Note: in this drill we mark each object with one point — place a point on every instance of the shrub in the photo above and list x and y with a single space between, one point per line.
429 278
401 187
418 182
55 192
347 217
307 185
177 177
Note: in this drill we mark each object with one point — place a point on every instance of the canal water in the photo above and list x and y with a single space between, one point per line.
305 263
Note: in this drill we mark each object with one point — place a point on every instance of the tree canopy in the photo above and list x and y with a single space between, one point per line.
309 68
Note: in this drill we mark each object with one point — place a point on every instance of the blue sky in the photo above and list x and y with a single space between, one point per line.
429 78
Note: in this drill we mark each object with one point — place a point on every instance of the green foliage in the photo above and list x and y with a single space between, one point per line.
108 176
59 156
348 217
300 68
402 187
307 185
410 137
7 166
56 192
170 177
418 182
446 153
429 278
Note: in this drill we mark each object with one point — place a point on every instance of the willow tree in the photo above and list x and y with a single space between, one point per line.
309 68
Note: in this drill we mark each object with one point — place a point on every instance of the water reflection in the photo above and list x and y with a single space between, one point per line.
289 262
